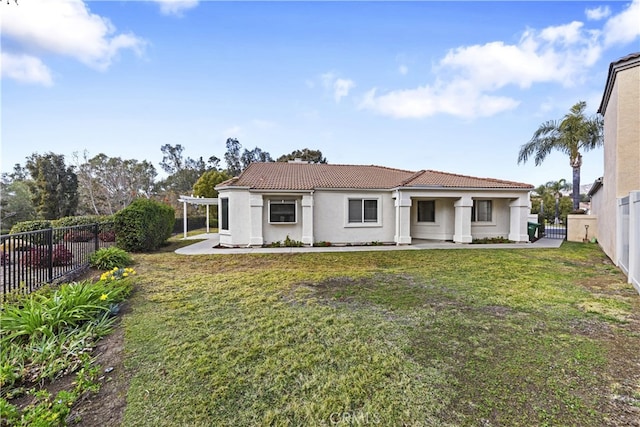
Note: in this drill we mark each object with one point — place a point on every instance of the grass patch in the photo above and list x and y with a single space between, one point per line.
459 337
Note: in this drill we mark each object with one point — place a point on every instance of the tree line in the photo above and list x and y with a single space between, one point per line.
47 187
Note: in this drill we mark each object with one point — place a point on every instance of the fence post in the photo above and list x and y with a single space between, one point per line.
50 244
96 237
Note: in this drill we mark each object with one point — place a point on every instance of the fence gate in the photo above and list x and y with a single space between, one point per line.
556 231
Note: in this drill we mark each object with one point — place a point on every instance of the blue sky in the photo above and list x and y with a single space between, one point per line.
450 86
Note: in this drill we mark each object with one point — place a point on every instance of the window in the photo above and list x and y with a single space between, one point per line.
481 211
363 210
426 210
283 211
224 214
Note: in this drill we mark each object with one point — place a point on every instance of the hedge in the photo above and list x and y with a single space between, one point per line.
143 225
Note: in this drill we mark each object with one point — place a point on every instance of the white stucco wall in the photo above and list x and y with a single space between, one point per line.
499 224
330 218
274 232
249 217
239 217
442 228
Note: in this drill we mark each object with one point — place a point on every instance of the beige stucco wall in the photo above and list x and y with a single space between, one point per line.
576 227
628 131
621 154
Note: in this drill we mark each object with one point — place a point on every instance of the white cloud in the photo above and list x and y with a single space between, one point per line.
624 27
339 87
176 7
467 77
67 28
25 69
598 13
456 98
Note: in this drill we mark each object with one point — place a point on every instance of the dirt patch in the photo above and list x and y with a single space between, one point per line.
105 408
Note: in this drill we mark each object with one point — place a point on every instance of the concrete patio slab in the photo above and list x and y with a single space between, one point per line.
208 247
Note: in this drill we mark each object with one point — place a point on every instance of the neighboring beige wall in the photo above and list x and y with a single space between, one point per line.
576 227
621 153
628 131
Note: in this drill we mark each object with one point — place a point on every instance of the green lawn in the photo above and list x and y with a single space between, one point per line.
417 338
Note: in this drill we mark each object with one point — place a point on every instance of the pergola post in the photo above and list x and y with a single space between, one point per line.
184 218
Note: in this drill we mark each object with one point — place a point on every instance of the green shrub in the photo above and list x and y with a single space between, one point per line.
109 258
36 225
291 243
143 225
71 221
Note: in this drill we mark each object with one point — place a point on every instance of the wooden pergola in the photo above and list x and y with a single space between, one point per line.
206 201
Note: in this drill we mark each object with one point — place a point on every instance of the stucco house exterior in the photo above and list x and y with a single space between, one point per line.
620 185
358 204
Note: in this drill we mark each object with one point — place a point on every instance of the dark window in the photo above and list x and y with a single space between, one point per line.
224 214
282 211
363 210
481 211
426 211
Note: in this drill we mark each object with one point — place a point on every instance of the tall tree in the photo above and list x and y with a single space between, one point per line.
254 156
16 203
183 171
54 186
232 157
205 186
306 154
571 135
108 184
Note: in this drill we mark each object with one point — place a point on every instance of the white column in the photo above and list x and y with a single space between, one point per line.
307 219
519 216
184 220
403 219
256 202
207 218
462 229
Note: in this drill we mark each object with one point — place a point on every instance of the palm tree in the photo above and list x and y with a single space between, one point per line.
555 189
571 135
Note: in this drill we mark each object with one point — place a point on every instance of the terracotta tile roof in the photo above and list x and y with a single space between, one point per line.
430 178
304 176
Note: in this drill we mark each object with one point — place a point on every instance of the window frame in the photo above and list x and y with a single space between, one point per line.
224 213
474 211
433 210
364 212
285 202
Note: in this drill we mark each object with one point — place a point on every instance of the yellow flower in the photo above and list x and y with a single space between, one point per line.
125 274
103 297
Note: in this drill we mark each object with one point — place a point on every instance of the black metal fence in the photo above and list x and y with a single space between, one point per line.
32 259
556 230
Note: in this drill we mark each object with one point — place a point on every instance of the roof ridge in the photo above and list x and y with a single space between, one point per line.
412 177
505 181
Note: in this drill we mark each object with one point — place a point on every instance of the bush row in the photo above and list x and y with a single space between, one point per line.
142 226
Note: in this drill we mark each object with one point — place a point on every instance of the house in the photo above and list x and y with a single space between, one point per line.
357 204
615 197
